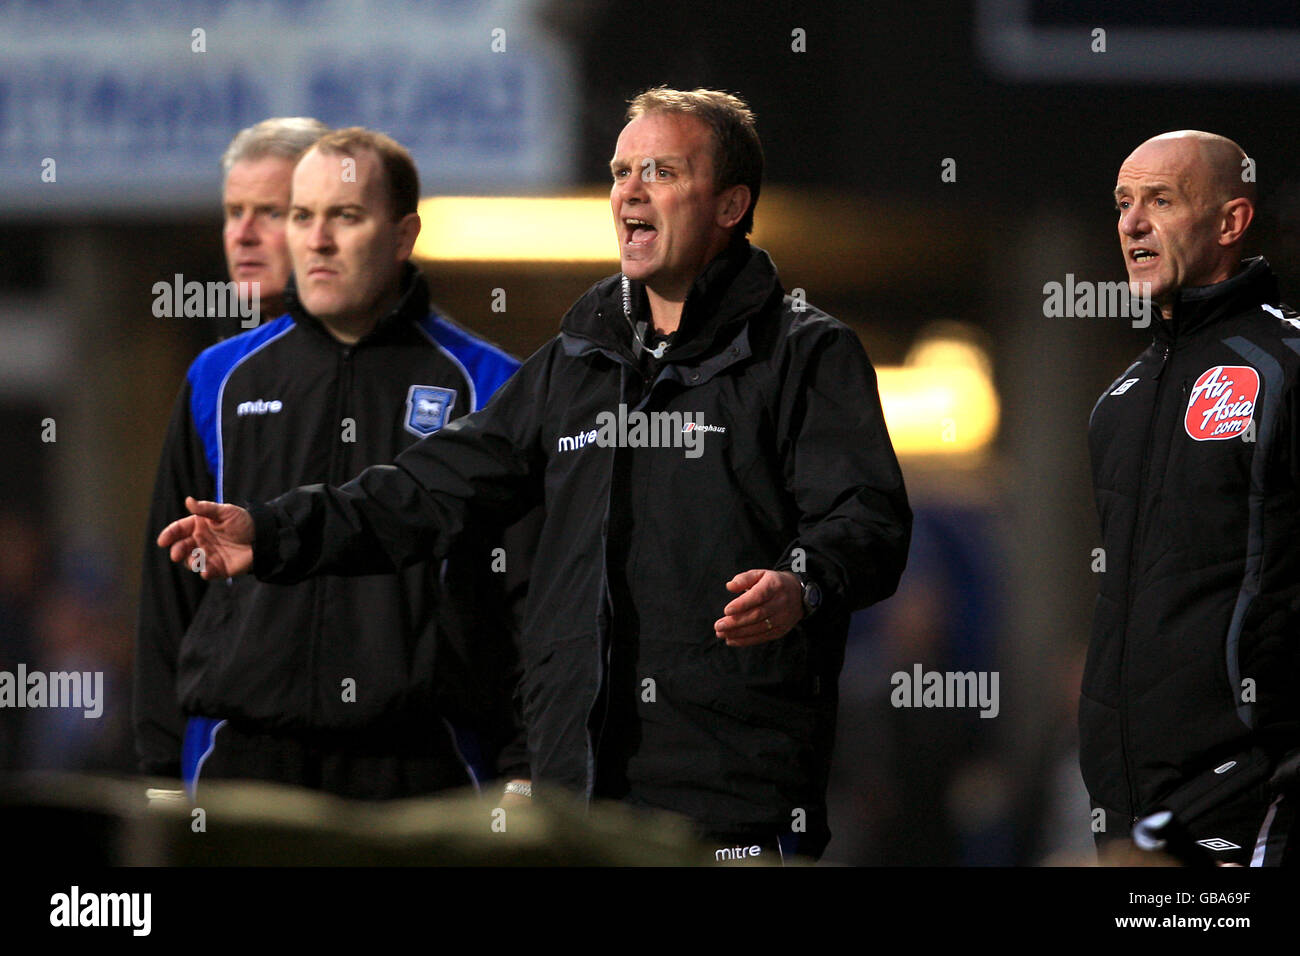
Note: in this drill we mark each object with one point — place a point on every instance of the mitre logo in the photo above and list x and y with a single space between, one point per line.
1222 403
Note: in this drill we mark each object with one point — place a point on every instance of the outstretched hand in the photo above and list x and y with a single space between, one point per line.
215 541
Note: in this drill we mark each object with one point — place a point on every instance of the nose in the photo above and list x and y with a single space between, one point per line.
633 188
319 234
246 233
1133 221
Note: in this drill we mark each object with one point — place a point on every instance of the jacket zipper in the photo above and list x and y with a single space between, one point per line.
604 655
1135 539
626 367
335 476
604 636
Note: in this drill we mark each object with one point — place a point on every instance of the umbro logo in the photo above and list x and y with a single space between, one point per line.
1217 843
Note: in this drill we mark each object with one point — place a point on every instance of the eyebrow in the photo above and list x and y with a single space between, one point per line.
1151 188
618 162
332 209
259 206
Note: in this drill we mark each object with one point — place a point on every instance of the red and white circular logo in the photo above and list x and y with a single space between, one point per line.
1222 402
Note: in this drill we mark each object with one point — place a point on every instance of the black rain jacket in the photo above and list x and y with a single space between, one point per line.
796 470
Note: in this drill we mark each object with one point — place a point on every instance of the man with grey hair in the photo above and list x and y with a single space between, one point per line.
257 168
1189 715
383 686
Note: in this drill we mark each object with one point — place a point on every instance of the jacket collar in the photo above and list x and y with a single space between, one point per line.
1201 306
739 282
413 306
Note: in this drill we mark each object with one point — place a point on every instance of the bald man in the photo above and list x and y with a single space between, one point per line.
1189 715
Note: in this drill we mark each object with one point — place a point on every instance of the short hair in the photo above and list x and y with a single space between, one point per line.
287 137
400 174
737 152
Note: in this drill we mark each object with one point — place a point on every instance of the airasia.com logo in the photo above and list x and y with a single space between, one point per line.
1222 402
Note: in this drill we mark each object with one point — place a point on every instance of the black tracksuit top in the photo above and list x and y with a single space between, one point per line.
1193 660
284 404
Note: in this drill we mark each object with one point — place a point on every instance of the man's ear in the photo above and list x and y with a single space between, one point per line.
408 229
733 203
1237 216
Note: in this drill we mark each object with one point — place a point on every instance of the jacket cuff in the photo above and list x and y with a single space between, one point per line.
816 570
514 771
512 759
266 552
1286 777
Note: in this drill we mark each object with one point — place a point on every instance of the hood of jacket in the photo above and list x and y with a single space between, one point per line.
740 281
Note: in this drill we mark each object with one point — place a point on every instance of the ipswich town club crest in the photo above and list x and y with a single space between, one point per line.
1222 403
428 408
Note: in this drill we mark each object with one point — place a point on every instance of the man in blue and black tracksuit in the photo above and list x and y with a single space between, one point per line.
380 686
1190 708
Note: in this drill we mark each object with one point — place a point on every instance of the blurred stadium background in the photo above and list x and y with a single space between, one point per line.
859 106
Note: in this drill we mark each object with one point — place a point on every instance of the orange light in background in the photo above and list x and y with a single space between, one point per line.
517 229
941 401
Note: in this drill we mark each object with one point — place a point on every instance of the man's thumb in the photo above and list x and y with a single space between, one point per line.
744 580
205 509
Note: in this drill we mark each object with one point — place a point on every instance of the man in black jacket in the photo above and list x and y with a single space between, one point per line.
373 687
1190 706
720 493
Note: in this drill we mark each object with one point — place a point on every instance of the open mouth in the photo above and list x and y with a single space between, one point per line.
1142 255
638 232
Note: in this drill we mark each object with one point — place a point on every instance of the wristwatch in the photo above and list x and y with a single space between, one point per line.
812 594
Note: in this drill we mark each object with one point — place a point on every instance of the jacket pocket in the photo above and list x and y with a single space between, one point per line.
556 694
764 693
1101 669
1240 776
203 650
